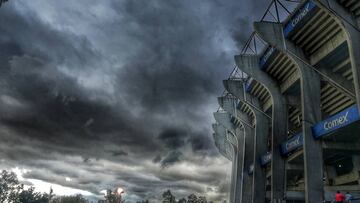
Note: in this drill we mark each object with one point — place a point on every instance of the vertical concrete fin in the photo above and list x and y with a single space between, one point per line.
224 119
233 176
235 87
228 104
247 62
250 65
271 32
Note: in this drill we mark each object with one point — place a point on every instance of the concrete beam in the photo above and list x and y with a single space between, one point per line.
236 87
339 80
229 104
310 97
345 146
349 24
295 167
327 48
250 65
293 78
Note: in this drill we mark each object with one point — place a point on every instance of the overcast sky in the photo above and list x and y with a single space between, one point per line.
99 94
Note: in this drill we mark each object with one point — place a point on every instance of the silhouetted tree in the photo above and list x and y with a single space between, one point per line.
192 198
10 187
202 199
12 191
113 197
182 200
70 199
144 201
30 196
168 197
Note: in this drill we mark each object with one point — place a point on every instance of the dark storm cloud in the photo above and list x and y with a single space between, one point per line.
173 138
117 92
157 159
172 158
119 153
200 142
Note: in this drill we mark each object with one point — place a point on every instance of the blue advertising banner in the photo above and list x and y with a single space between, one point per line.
299 16
265 58
248 84
344 118
292 144
265 159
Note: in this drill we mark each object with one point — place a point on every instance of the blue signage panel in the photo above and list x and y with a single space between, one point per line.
292 144
265 159
344 118
248 84
265 58
299 16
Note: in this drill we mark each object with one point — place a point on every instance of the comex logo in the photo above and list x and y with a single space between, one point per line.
293 144
268 54
301 15
267 157
336 122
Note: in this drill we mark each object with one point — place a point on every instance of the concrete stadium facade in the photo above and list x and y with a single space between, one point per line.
291 125
2 1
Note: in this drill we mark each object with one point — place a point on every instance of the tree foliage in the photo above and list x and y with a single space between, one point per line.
11 191
10 187
192 198
70 199
113 197
168 197
30 196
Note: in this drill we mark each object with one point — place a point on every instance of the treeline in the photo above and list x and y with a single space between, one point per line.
12 191
168 197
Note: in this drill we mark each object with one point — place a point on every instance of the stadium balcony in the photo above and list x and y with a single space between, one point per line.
324 42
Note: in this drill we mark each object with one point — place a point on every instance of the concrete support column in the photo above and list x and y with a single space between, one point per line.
250 65
229 105
352 30
224 118
235 87
356 163
240 134
233 175
310 103
220 139
330 173
248 160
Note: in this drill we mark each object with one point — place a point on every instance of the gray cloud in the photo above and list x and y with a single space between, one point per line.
172 158
118 92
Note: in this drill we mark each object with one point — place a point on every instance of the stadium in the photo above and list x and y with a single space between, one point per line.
289 117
